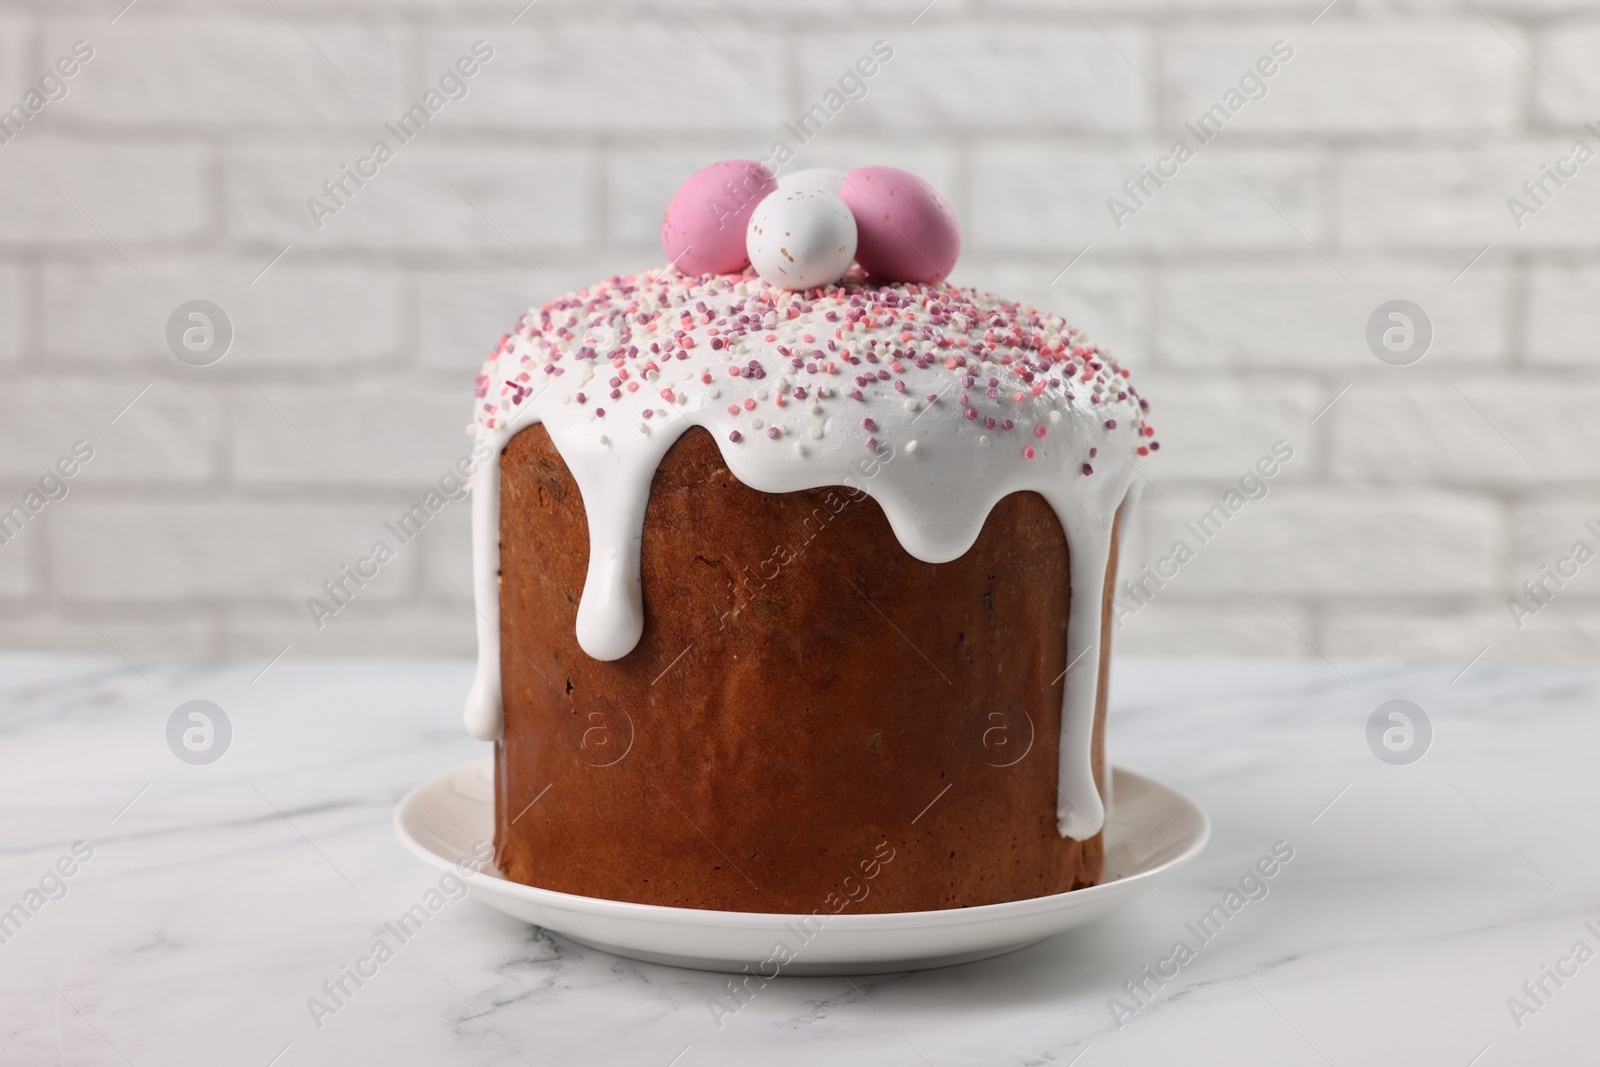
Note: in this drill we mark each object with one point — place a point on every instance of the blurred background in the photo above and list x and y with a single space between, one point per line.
1445 449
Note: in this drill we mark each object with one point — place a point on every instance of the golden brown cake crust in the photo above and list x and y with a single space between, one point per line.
813 719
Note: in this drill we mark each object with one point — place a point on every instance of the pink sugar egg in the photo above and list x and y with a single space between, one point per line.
906 231
703 230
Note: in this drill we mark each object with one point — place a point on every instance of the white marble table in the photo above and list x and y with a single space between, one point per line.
218 899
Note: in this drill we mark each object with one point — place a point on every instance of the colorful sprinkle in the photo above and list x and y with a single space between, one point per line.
898 347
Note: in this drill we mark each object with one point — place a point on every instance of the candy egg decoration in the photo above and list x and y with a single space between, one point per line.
703 231
801 238
824 178
907 231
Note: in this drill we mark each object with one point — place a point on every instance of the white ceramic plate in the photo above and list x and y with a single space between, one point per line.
1152 828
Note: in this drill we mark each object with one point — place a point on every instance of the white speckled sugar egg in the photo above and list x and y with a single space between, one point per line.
813 178
801 238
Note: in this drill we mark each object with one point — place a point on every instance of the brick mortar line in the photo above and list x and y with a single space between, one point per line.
134 610
462 260
1442 602
948 15
229 136
1199 489
70 368
224 457
371 501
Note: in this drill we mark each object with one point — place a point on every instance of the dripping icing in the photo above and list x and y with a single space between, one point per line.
973 415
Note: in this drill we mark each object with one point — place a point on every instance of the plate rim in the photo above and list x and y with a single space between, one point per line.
861 921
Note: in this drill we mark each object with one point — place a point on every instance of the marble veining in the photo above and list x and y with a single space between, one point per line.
220 898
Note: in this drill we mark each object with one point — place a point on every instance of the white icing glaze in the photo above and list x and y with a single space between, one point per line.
936 467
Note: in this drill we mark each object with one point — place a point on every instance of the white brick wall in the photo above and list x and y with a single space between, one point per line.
300 322
216 74
1293 314
1359 79
1376 167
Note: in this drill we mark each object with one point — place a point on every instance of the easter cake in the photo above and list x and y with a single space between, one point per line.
793 566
